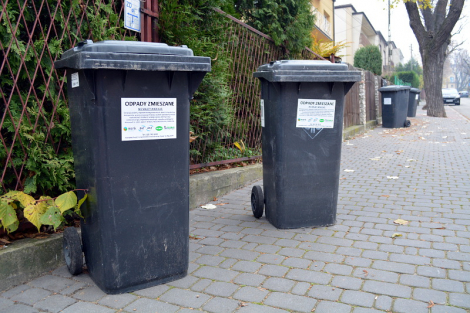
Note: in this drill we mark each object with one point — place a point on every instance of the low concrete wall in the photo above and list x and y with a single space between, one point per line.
352 131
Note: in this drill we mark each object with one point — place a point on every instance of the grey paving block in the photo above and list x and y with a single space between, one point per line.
19 308
149 306
447 285
290 302
291 252
90 294
445 263
256 308
86 307
297 262
406 306
325 292
249 279
382 288
354 261
447 309
185 298
221 305
240 254
271 258
338 269
365 310
117 301
273 270
210 260
369 273
215 273
325 257
152 292
14 291
31 296
391 248
394 267
358 298
184 282
309 276
221 289
228 263
268 248
247 266
52 283
4 303
459 275
250 294
460 300
383 303
445 246
347 282
317 247
427 295
212 250
55 303
431 271
432 253
415 281
278 284
332 307
411 259
259 239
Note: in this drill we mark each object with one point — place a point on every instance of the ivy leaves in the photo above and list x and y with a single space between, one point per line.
45 211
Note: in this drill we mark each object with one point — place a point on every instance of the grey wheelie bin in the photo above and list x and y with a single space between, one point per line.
413 102
129 110
302 105
395 101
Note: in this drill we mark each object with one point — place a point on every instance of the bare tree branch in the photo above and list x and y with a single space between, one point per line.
439 14
415 22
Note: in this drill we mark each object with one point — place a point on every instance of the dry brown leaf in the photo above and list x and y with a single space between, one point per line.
386 196
221 203
4 241
431 304
365 272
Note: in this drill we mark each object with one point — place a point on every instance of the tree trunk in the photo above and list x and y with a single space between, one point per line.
433 65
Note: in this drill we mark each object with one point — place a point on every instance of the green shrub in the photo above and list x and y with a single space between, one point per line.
409 77
369 58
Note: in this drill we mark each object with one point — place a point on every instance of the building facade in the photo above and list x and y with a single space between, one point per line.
324 20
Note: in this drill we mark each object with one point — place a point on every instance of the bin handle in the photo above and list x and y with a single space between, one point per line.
85 42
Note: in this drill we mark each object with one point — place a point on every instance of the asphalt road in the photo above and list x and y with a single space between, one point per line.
464 107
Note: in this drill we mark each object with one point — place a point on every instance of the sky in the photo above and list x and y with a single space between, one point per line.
401 33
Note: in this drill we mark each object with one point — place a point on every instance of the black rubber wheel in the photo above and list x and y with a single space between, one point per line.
458 103
407 123
257 201
73 251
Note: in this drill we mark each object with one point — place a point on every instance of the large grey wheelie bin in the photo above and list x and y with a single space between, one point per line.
413 102
395 101
302 106
129 110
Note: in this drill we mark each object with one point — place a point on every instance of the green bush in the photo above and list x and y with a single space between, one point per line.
194 23
409 77
369 58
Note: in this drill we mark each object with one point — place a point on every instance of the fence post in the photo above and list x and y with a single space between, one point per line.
362 100
150 15
378 118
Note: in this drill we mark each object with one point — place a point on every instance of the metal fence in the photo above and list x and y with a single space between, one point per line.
34 125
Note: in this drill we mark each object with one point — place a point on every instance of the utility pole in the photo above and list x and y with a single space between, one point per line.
411 53
389 40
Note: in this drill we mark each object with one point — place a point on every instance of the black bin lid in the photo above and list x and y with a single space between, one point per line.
394 88
132 55
306 71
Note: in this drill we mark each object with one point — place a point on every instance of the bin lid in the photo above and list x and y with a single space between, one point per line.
132 55
394 88
415 90
306 71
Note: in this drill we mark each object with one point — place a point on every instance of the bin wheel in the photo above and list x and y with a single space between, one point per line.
73 251
407 123
257 201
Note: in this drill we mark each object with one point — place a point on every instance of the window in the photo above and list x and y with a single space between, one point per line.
452 79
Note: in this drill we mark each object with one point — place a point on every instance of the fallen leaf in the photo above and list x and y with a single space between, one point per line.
386 196
4 241
215 199
401 222
374 159
221 203
411 160
392 177
431 304
242 304
209 206
365 273
349 171
396 235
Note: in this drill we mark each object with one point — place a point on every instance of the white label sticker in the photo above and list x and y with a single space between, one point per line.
387 101
262 112
148 118
417 96
75 81
132 15
315 113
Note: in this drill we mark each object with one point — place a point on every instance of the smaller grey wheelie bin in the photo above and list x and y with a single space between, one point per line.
129 111
395 101
302 104
413 102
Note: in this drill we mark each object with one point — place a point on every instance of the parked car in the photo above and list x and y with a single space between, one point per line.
451 95
463 94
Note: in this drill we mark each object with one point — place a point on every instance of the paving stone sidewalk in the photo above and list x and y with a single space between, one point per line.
238 263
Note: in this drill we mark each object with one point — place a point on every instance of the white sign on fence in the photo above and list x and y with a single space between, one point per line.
132 15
